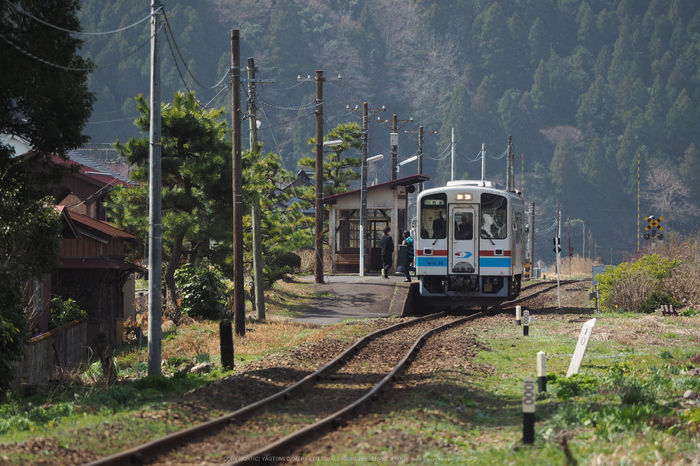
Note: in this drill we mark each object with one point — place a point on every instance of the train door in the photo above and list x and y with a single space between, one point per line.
463 244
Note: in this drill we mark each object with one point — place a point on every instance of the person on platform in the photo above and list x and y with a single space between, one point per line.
410 254
387 249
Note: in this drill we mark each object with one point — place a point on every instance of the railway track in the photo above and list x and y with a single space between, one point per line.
539 288
318 403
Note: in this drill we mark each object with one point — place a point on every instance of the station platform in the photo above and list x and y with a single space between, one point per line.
346 296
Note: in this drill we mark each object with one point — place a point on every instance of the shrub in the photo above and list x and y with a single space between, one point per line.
277 264
575 385
65 311
202 291
628 285
656 300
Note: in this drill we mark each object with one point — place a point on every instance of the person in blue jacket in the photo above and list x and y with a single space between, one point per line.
410 255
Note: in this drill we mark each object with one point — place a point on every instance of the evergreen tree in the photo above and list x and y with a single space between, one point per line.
690 170
44 100
627 161
196 168
566 178
681 124
539 42
338 170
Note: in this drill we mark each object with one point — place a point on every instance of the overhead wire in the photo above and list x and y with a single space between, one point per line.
184 62
45 23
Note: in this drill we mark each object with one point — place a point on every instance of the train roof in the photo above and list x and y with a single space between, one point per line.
478 184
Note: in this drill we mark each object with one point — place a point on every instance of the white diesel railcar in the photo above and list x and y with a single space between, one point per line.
470 244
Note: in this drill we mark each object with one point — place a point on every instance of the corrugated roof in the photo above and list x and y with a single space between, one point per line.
405 181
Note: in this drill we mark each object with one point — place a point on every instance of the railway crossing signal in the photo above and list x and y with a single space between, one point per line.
653 228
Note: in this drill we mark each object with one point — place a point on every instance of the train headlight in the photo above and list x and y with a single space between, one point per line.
464 197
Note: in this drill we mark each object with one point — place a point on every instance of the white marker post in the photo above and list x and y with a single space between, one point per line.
529 410
518 309
526 323
581 346
542 371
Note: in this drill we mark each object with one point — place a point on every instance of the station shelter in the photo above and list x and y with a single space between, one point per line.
387 205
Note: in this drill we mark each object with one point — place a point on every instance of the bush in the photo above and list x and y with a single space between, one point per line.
656 300
202 291
628 285
64 311
280 263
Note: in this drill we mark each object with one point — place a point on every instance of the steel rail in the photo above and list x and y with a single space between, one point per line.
143 453
275 451
547 286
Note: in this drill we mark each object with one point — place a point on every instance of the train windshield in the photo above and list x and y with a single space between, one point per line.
433 223
494 211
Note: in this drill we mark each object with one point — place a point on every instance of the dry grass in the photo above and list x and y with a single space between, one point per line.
576 266
275 334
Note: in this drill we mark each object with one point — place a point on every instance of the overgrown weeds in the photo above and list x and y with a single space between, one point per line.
668 273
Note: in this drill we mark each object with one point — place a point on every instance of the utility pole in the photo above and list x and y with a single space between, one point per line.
238 292
452 155
568 236
318 238
532 236
258 284
510 162
395 141
558 254
583 234
421 137
363 192
483 161
155 239
318 268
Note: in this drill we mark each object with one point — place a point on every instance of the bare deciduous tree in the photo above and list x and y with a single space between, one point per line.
668 196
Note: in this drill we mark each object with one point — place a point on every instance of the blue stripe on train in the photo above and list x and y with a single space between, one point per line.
494 262
431 261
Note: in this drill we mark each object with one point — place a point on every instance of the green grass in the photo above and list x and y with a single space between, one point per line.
623 407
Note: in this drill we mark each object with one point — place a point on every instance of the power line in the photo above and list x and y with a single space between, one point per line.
67 68
80 32
183 60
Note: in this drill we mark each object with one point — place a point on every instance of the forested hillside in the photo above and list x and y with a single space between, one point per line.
586 89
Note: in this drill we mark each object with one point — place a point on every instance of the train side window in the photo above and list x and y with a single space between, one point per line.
494 216
433 223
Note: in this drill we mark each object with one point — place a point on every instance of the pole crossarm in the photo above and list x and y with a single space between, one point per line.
390 126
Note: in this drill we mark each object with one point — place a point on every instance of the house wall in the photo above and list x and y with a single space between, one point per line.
62 348
99 293
86 246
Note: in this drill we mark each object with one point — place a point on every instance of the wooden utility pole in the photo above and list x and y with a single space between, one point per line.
155 300
257 230
238 292
318 269
394 140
